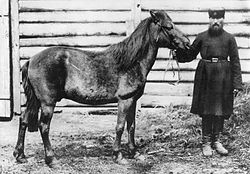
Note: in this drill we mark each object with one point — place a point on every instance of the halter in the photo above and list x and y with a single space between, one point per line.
171 53
166 34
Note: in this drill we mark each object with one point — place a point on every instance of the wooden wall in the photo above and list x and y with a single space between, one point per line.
95 24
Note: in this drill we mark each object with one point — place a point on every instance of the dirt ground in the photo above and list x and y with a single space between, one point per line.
82 143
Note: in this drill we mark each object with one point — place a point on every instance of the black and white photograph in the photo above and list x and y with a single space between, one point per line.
124 87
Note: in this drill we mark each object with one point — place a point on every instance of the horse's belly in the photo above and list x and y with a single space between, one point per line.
91 95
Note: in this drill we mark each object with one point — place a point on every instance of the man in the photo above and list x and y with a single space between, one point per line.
217 77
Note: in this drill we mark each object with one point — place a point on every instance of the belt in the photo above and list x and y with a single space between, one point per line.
215 60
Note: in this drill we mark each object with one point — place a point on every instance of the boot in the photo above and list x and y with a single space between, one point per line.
217 129
218 146
206 135
206 146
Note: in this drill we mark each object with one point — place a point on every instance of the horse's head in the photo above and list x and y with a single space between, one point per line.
166 33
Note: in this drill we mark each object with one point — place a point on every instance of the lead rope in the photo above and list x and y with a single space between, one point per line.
172 57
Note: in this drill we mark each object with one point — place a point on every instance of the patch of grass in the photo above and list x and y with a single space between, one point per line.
177 131
238 127
172 128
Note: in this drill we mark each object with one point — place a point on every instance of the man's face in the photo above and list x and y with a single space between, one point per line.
216 24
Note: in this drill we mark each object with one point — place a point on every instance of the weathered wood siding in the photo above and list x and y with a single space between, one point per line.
5 103
95 24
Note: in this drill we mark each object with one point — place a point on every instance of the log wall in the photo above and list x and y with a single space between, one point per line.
94 25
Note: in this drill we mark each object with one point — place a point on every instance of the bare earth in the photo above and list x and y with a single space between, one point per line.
82 143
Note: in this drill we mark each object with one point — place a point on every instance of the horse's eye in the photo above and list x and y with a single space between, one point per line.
168 26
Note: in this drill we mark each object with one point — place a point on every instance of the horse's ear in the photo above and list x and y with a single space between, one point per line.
154 16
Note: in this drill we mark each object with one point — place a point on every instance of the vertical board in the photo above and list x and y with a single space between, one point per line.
5 112
15 55
4 59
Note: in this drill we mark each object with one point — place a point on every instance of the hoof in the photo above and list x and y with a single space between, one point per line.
139 157
21 160
49 160
118 158
53 163
20 157
122 161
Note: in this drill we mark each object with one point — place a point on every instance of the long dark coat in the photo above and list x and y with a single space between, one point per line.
214 81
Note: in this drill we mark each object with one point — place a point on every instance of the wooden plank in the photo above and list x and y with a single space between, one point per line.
190 66
74 16
180 89
146 101
160 67
136 12
78 41
231 28
55 5
195 5
169 76
14 23
243 53
160 64
66 103
71 29
242 42
119 16
186 76
167 89
190 17
4 8
5 108
27 52
161 101
62 29
4 59
134 21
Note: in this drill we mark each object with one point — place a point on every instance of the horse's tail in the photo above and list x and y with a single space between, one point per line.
32 103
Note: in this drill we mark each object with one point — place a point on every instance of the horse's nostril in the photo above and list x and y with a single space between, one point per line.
187 45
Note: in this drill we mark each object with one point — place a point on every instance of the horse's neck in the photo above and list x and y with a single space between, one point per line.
148 61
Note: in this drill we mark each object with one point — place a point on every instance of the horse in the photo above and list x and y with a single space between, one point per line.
115 75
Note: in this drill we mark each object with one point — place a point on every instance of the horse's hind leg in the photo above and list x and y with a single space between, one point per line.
19 149
44 127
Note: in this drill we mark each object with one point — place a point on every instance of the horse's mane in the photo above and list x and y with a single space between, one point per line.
131 50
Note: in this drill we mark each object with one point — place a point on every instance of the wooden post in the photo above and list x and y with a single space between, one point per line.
5 111
135 13
134 21
14 35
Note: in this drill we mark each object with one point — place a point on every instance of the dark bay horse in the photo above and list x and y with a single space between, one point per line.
117 74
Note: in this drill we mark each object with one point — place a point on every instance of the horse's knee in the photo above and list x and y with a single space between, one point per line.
47 109
131 129
119 129
46 116
44 128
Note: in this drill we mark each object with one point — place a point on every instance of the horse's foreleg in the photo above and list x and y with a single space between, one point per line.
44 126
124 106
131 128
19 149
131 133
